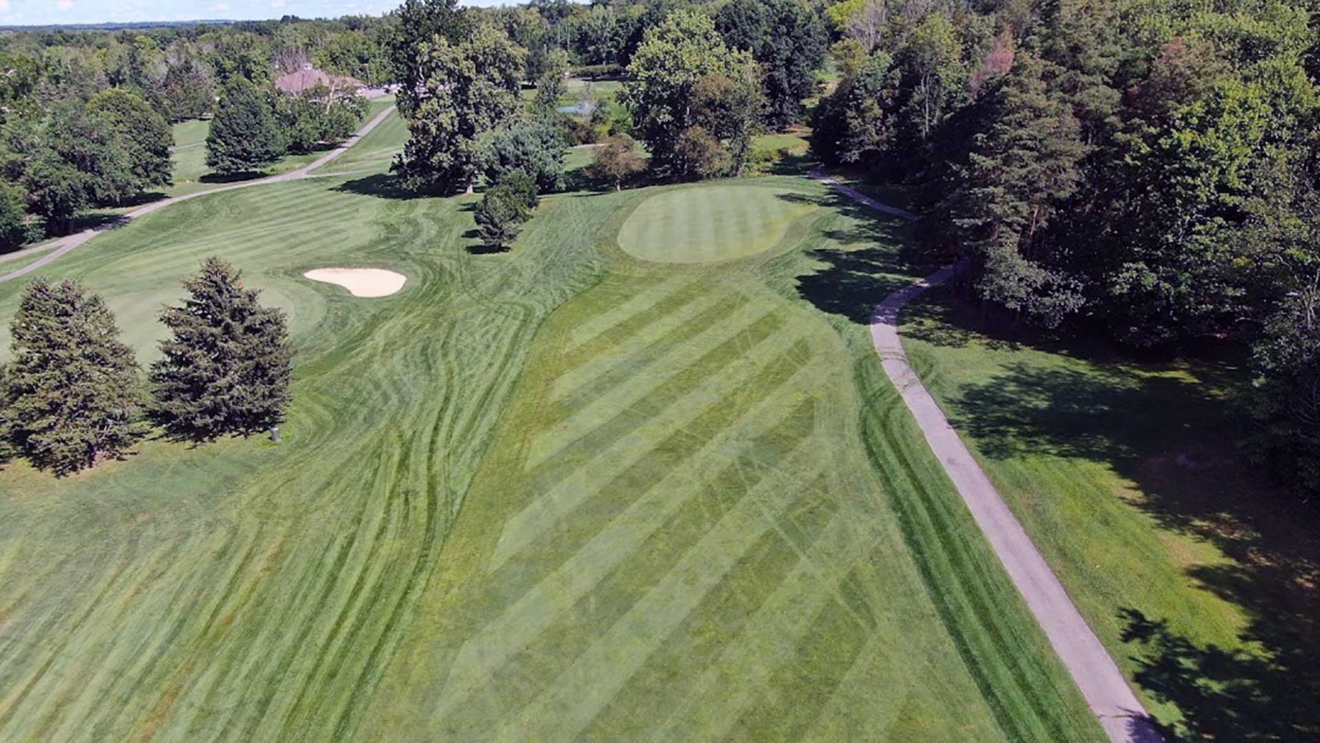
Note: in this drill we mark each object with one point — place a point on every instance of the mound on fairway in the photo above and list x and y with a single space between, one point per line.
361 282
710 223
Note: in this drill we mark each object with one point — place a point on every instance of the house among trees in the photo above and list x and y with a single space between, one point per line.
310 76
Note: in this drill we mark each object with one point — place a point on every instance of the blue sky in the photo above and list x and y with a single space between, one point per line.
42 12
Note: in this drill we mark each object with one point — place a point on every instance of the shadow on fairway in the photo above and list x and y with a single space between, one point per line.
876 258
218 179
381 186
1167 436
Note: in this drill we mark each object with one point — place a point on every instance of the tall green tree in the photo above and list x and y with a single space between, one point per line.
1021 169
140 131
13 216
72 392
1285 394
318 117
663 79
415 24
553 82
731 109
245 135
469 88
74 160
226 368
788 41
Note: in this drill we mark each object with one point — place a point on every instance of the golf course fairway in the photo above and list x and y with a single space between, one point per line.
636 478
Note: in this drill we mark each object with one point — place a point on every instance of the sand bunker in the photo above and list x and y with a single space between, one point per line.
361 282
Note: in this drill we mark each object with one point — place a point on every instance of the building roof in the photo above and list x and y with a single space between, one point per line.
309 77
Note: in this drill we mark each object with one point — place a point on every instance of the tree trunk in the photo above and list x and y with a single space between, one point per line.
275 434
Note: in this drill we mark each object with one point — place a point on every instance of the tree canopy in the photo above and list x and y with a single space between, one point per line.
72 394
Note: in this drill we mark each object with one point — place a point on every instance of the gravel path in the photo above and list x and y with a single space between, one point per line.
66 245
1094 671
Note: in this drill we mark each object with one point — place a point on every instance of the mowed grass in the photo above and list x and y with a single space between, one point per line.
547 494
1200 577
703 224
191 173
374 152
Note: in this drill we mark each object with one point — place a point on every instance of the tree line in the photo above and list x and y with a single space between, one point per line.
1141 169
85 116
73 394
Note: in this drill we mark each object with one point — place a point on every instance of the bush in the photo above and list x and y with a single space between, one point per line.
503 210
617 161
699 156
596 71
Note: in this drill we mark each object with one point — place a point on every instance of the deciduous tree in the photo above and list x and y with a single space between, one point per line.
616 160
245 135
468 89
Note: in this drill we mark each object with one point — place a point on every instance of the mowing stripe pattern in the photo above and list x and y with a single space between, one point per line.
662 544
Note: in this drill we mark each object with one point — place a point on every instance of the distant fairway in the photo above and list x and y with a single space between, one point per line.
554 494
703 224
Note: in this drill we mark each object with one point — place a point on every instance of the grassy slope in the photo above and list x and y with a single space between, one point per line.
678 529
1200 579
190 169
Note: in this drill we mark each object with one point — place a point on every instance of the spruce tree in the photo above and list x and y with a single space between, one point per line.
245 135
226 369
72 393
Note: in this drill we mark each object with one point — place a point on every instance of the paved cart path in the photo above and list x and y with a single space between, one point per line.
63 246
1092 668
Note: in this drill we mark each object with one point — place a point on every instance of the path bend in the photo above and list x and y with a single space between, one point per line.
68 244
1111 699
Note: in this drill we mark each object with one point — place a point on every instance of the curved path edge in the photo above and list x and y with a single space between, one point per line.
68 244
1102 684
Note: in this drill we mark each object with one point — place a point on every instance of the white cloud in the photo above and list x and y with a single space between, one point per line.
64 6
220 7
4 6
277 4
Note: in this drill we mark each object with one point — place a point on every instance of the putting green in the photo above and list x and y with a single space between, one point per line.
703 224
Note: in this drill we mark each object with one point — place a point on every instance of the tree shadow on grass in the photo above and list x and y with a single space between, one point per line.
382 186
227 178
867 260
1171 437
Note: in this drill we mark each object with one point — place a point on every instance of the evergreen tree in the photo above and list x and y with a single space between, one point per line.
501 213
534 148
245 135
72 393
226 369
1019 170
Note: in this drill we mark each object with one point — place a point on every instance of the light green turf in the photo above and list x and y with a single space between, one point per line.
707 223
1126 477
373 153
189 153
547 494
